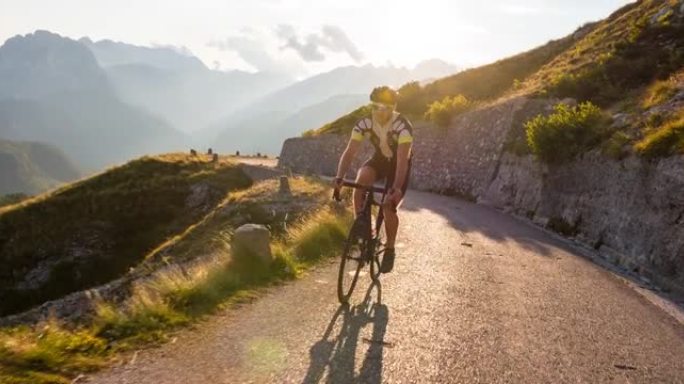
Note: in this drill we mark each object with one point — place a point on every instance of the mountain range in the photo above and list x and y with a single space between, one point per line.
104 102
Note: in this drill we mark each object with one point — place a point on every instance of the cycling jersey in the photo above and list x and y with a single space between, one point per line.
385 138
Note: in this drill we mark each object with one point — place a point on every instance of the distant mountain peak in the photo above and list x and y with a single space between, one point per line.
44 63
112 53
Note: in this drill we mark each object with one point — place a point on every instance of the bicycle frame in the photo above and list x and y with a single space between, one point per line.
368 203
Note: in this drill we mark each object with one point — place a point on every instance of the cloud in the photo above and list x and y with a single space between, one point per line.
312 47
251 49
180 49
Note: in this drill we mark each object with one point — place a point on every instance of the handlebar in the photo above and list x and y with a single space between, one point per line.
345 183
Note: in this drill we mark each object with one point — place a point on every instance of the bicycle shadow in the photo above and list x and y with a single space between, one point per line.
339 353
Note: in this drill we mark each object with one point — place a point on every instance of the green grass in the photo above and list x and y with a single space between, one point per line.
659 92
49 353
666 140
171 299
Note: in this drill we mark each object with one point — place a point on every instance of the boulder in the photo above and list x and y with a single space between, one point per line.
253 240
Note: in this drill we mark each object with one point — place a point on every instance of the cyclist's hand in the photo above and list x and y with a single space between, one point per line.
337 185
337 182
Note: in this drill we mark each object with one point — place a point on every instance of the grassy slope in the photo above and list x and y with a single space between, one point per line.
615 63
51 353
487 82
94 230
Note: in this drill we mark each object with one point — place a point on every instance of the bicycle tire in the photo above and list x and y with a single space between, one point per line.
376 255
350 265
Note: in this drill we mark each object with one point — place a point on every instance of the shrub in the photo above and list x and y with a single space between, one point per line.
567 132
442 112
664 141
412 99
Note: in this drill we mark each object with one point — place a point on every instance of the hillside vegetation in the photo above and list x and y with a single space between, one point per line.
94 230
630 63
196 270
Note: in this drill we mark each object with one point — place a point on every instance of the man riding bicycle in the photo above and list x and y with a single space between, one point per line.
391 135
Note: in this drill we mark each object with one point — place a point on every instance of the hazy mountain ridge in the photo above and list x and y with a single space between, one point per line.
43 63
324 96
58 94
31 167
178 86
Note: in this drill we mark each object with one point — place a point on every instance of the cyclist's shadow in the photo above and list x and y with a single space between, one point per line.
339 353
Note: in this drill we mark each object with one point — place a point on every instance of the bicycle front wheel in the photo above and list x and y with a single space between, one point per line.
378 247
350 266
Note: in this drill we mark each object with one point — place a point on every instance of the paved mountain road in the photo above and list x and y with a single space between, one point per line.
476 297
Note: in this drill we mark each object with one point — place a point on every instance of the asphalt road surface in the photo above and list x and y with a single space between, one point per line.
476 296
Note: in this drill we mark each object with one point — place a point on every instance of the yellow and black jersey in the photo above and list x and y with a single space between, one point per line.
385 138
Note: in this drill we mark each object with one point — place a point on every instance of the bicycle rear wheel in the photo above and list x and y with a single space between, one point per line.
350 265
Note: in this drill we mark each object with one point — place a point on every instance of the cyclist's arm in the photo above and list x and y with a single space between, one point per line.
348 156
403 151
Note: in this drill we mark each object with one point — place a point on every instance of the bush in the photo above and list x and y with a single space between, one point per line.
442 112
664 141
412 99
567 132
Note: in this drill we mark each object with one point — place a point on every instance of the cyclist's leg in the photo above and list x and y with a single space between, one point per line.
390 210
365 176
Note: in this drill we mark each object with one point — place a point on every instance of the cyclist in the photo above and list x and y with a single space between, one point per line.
391 135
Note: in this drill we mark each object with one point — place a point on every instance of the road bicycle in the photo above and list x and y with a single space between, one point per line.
365 243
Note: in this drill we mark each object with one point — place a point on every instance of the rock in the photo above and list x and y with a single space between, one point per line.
284 186
679 96
253 239
620 120
199 194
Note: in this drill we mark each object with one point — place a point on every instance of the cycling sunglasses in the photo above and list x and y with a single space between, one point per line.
381 107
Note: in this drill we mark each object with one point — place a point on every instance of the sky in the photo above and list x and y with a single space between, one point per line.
304 37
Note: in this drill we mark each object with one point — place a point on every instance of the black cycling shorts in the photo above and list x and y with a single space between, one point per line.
386 169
